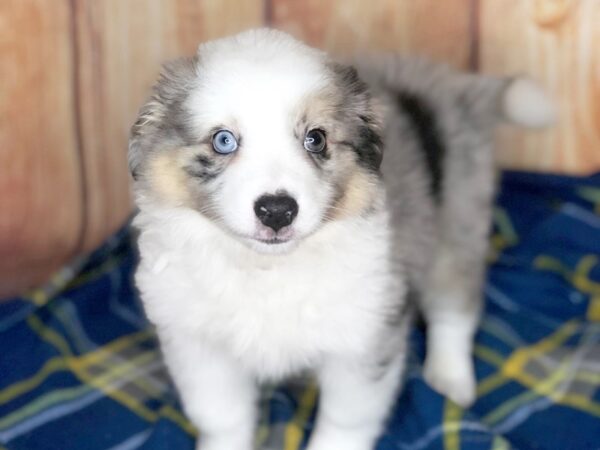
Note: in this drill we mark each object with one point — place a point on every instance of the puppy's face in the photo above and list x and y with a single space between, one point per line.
262 135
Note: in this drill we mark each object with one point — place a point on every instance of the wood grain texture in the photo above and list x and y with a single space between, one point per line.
40 181
558 43
122 45
438 29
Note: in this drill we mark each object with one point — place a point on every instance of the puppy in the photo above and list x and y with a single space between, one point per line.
290 209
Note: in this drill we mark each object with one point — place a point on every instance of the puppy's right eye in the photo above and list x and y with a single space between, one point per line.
224 142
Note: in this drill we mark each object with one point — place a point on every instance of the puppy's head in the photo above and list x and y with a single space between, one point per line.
262 135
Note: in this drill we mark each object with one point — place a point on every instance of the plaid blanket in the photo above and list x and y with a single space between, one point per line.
80 367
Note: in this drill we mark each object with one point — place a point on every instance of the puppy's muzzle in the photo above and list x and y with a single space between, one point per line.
276 211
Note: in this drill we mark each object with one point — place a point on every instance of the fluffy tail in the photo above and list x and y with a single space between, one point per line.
525 103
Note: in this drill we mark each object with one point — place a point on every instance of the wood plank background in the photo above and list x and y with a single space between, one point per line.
74 72
557 42
41 204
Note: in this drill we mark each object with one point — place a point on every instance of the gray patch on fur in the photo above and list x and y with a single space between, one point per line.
466 110
356 112
206 168
426 129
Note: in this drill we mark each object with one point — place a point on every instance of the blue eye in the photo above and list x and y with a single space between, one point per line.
315 141
224 142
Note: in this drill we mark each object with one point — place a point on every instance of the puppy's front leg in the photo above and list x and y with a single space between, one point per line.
355 401
218 396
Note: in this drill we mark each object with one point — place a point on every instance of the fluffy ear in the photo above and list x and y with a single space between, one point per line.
160 114
149 117
360 108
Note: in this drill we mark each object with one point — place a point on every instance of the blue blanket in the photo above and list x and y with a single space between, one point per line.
80 367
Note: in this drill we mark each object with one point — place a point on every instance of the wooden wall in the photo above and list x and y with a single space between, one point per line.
74 72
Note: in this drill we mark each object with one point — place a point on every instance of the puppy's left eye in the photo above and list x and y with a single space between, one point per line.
224 142
315 141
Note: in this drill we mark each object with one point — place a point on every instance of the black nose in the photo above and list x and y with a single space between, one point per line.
276 211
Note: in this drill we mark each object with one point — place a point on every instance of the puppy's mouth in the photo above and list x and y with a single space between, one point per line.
272 241
266 240
269 236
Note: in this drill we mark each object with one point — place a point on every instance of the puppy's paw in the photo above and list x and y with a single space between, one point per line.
338 445
223 442
452 375
332 439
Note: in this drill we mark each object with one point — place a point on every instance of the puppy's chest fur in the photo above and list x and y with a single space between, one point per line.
276 314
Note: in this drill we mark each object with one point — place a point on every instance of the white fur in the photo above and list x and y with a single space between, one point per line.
342 423
449 363
526 103
226 320
275 322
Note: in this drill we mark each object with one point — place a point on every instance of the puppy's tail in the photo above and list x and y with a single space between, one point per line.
524 102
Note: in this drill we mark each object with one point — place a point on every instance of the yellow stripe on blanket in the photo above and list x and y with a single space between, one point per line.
515 364
452 423
65 363
295 429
